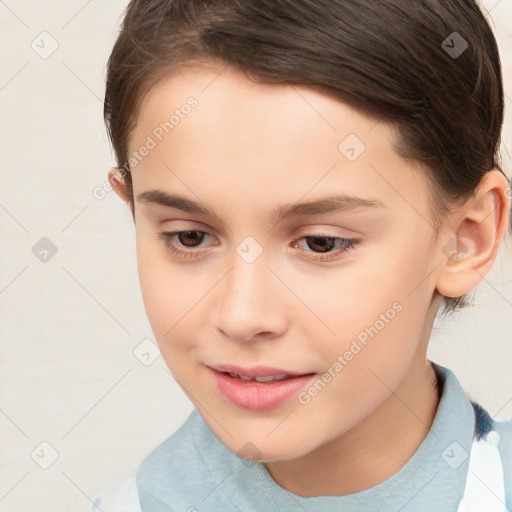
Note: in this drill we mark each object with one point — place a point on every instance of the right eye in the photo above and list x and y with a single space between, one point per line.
185 239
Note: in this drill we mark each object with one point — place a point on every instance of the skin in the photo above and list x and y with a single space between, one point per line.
246 149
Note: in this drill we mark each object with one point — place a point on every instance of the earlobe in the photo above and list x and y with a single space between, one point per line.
117 183
478 230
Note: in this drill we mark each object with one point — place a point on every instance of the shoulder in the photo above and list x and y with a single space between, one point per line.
489 479
171 454
119 497
163 462
173 474
504 430
175 470
498 434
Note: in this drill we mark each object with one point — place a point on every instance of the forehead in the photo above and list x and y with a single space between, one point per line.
255 137
228 100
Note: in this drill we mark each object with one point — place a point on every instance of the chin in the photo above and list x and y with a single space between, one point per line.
266 451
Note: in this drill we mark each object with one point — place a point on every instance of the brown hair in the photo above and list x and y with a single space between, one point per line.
429 68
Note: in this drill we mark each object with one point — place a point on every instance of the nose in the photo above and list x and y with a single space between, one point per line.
250 302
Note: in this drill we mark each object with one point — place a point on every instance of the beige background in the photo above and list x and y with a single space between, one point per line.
69 327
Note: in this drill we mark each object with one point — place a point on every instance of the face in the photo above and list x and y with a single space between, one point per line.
333 294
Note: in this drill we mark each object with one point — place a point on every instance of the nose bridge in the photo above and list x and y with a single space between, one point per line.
244 305
248 280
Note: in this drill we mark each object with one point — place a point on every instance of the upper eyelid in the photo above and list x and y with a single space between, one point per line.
310 233
307 230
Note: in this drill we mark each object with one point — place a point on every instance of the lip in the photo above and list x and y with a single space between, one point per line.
258 396
255 371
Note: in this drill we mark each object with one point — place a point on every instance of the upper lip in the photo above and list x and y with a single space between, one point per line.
255 371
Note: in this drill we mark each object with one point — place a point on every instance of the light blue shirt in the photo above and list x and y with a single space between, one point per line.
192 471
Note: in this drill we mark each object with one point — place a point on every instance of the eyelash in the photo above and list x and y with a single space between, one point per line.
347 244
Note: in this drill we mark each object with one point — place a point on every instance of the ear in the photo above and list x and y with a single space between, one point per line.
116 181
476 232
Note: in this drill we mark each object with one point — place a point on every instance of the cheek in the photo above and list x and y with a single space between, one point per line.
375 311
166 291
168 298
175 297
355 297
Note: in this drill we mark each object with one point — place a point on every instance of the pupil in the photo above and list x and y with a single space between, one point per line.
190 235
329 242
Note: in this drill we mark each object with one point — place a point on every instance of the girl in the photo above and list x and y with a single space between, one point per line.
311 182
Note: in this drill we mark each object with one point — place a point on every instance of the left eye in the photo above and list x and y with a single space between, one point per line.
325 243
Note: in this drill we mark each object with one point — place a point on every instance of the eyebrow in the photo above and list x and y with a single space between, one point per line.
328 204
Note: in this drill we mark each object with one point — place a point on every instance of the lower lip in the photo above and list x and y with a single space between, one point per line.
258 396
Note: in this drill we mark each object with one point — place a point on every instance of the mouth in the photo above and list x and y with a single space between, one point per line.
260 378
260 373
258 388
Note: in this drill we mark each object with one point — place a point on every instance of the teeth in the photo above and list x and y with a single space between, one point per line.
236 376
267 378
